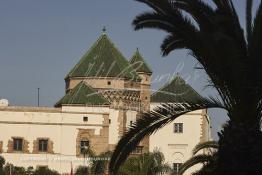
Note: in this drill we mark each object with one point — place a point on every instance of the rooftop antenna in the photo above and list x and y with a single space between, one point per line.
38 95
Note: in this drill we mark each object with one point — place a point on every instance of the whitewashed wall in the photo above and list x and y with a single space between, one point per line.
130 118
177 147
61 127
114 126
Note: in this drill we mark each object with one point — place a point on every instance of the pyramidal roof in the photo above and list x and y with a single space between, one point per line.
82 94
175 91
103 60
139 64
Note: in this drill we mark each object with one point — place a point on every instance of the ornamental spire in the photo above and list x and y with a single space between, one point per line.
104 30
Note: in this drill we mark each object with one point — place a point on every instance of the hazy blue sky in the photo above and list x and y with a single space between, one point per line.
40 41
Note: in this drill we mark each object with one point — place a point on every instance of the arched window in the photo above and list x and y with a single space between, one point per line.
84 146
177 161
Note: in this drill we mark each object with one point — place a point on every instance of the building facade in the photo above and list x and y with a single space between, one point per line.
104 95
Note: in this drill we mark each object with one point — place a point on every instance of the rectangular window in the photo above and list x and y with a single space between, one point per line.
85 119
138 150
178 128
17 144
84 145
176 167
42 145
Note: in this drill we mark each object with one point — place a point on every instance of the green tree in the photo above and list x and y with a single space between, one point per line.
97 165
145 164
14 169
231 58
45 171
2 163
82 170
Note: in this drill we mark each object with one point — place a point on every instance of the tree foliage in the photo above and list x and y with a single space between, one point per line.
15 170
145 164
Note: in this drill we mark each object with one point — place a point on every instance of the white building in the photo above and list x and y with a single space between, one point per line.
104 95
177 139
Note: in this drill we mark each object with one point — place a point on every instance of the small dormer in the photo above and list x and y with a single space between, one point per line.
139 64
82 95
175 91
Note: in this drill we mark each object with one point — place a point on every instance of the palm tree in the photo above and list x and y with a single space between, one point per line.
230 57
207 159
146 164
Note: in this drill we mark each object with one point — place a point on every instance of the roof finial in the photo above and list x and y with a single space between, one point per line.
104 30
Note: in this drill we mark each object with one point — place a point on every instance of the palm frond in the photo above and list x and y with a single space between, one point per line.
194 161
149 163
215 50
153 20
228 19
249 19
172 22
205 145
255 47
172 42
161 7
257 27
201 12
151 122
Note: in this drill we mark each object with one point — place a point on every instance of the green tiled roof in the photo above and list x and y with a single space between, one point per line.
139 64
176 91
82 94
103 60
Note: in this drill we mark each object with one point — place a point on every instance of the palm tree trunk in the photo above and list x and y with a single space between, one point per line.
240 149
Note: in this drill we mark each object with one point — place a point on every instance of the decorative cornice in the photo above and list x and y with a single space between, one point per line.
45 123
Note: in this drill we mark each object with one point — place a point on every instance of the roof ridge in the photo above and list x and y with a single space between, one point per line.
78 95
98 93
103 59
119 52
167 84
174 91
145 62
137 57
86 53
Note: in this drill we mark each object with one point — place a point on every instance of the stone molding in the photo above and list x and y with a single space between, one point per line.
10 146
45 123
122 98
50 146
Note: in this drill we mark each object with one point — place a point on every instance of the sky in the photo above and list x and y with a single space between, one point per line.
41 40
